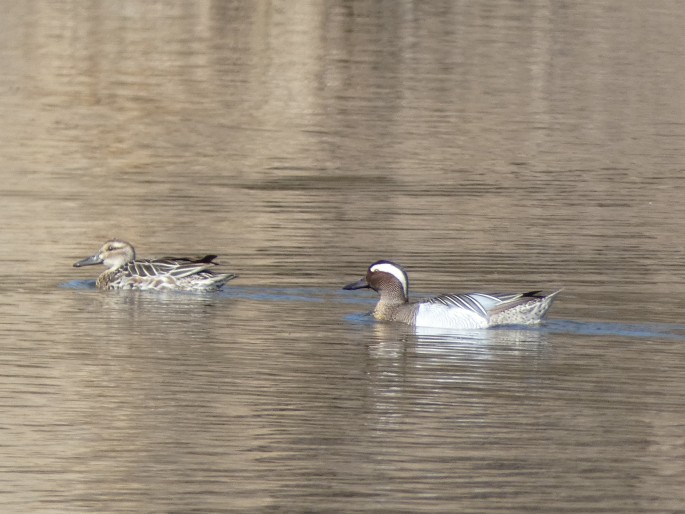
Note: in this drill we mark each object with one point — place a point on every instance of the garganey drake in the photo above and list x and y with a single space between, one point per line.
178 273
456 311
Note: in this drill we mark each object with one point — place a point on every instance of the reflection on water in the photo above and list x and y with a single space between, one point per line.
493 146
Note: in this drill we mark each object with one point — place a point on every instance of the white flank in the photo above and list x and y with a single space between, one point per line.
441 316
395 271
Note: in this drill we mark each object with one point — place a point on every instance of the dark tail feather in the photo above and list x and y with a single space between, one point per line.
532 294
207 259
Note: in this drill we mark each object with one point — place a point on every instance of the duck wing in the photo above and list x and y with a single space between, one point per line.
172 268
483 304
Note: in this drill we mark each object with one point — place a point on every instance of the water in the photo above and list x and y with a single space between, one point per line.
483 145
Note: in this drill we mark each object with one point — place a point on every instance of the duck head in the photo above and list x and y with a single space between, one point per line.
113 254
386 278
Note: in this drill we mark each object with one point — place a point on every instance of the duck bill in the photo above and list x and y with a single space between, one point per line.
359 284
88 261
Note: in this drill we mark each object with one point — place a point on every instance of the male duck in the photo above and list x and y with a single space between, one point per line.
179 273
457 311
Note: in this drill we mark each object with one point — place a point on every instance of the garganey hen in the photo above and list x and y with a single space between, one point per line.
178 273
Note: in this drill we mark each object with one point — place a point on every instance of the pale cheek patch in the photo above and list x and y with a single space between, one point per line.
394 271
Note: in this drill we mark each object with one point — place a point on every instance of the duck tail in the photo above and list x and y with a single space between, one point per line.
528 309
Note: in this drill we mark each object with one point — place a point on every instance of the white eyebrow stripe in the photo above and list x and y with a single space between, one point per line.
394 271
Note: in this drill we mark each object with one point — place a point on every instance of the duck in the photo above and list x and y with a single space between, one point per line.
449 311
124 271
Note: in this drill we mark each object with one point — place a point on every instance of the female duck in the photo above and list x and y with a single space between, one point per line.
178 273
458 311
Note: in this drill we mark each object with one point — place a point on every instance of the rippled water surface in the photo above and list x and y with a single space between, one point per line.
486 146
